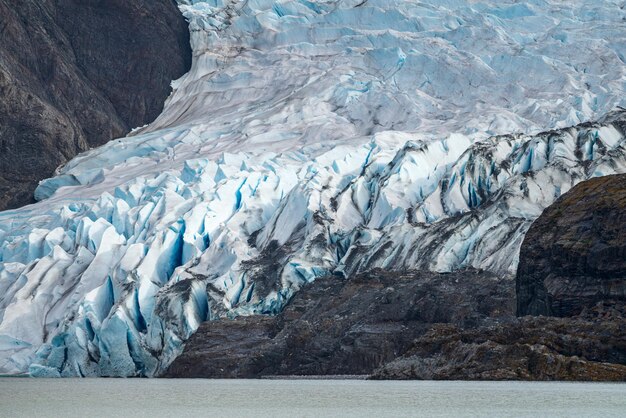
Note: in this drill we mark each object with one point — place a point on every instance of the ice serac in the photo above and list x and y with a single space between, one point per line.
310 139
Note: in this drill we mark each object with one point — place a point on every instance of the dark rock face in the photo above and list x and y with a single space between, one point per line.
587 347
574 254
415 325
338 327
75 74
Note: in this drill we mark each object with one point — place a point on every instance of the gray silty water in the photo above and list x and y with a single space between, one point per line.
305 398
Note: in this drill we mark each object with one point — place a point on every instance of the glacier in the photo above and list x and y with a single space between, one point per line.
311 138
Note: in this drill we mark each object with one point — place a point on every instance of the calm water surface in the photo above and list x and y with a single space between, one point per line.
25 397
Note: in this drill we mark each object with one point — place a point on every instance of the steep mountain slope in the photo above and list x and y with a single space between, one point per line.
290 152
75 74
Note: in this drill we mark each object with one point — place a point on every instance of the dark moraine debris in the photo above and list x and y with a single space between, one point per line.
75 74
338 326
574 254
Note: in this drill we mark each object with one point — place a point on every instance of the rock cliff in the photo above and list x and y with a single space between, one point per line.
574 254
75 74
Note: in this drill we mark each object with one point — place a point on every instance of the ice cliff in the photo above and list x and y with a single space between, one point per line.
310 139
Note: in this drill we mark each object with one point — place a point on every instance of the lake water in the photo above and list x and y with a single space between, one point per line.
25 397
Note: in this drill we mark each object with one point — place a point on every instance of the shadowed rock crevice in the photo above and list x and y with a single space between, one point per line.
75 74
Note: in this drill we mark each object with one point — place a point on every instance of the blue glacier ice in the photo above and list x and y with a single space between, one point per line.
311 138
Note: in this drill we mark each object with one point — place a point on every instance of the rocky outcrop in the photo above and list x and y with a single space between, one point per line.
588 347
340 326
75 74
574 254
415 325
462 325
572 270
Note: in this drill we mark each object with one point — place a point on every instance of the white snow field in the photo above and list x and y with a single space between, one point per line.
311 138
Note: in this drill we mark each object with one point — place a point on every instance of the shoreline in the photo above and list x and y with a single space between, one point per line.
317 377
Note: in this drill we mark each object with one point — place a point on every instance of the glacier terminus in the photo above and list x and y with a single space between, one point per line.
311 138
